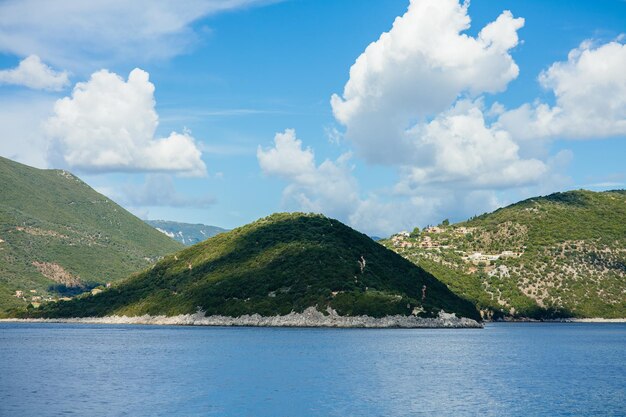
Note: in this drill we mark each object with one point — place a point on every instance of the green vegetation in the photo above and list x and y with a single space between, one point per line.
279 264
55 232
186 233
561 255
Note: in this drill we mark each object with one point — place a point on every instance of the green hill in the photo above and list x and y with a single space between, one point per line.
554 256
279 264
186 233
59 237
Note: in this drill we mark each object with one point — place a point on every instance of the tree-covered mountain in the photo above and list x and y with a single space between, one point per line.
186 233
60 237
559 255
279 264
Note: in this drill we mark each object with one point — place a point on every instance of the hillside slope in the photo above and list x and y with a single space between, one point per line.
554 256
279 264
60 237
186 233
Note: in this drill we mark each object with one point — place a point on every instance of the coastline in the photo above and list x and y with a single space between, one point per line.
308 318
563 320
588 320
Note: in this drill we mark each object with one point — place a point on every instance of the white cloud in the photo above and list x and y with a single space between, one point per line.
590 92
158 190
33 73
287 159
414 102
328 187
418 69
458 148
331 187
71 33
109 124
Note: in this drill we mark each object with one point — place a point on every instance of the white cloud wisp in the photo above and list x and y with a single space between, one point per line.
159 190
95 33
34 74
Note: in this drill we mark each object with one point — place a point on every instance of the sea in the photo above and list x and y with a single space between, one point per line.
506 369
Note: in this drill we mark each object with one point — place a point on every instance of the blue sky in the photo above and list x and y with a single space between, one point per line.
437 121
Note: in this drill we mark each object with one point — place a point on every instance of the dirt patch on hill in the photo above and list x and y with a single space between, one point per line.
56 273
35 231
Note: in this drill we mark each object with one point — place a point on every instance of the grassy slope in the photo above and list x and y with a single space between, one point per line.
572 215
283 263
66 222
573 262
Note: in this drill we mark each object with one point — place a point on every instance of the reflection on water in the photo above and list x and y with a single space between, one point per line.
504 370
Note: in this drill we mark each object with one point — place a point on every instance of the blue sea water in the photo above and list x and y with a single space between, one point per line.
503 370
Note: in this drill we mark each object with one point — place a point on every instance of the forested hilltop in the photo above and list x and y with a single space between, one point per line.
59 238
276 265
562 255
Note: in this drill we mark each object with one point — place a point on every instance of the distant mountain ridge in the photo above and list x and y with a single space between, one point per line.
60 237
562 255
186 233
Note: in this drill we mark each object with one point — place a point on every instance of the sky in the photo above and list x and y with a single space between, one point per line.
386 115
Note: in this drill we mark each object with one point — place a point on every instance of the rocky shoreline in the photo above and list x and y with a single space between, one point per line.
308 318
567 320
